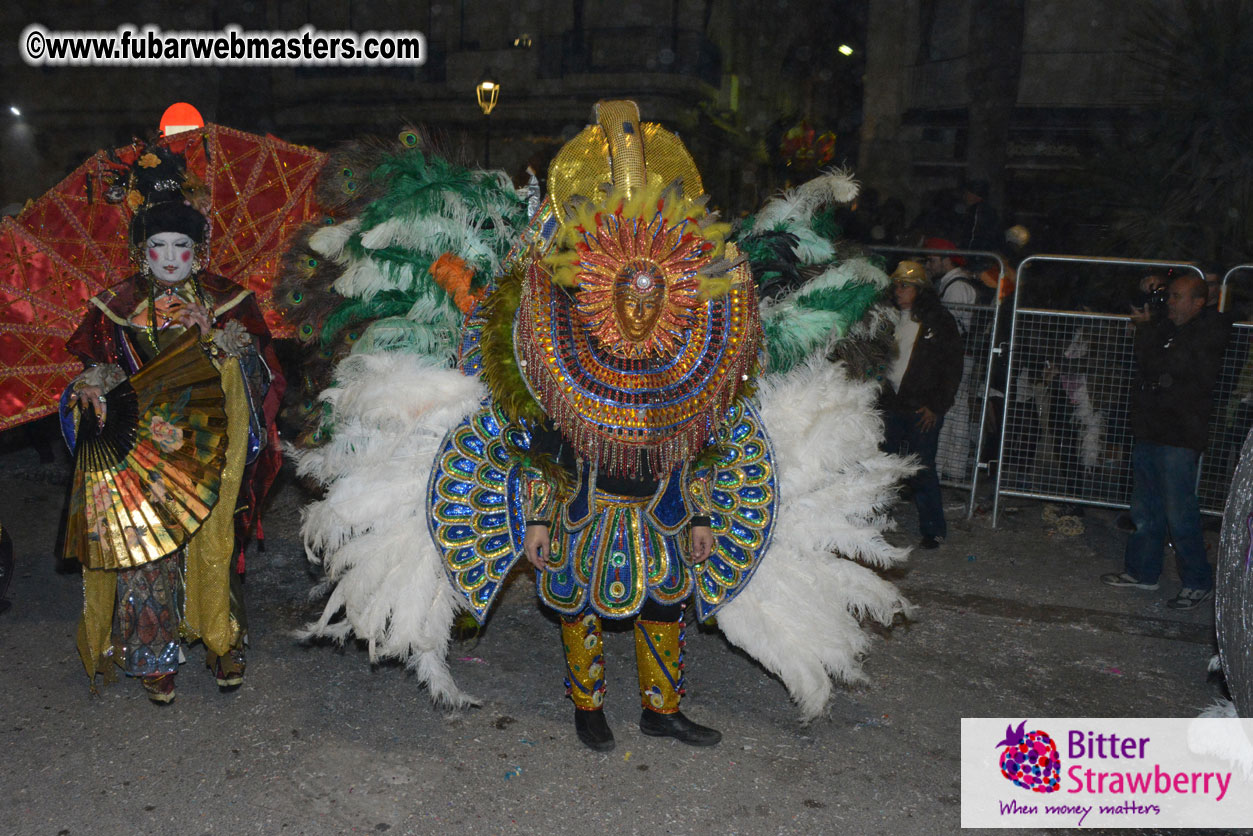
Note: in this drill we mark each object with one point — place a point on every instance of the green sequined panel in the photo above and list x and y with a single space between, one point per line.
614 563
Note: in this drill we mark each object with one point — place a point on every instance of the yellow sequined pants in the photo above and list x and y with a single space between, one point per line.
658 661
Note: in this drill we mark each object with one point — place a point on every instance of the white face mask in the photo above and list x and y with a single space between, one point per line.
170 256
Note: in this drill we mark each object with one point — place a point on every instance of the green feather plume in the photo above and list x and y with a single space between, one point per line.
354 311
500 367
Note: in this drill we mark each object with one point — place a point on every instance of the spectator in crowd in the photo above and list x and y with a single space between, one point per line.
953 281
1152 296
981 227
1232 299
1178 361
1214 287
890 222
921 385
939 215
861 217
1017 239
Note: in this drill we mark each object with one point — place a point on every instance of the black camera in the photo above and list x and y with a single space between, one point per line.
1155 301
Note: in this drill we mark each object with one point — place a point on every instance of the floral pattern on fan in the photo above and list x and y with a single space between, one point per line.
164 434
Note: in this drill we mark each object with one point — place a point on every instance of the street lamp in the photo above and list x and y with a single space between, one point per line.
486 94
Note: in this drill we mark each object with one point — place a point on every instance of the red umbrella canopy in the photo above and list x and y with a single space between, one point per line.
71 243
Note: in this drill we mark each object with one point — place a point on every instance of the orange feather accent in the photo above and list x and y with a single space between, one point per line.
454 275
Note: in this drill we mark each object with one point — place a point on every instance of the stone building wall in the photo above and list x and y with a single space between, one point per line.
1012 91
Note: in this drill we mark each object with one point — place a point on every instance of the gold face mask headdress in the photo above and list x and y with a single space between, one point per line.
638 322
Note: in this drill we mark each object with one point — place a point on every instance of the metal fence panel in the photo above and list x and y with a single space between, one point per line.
1233 408
1067 436
958 454
1066 431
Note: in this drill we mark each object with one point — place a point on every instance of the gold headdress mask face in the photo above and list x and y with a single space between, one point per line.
639 292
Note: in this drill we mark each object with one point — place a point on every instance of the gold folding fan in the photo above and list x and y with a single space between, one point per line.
147 478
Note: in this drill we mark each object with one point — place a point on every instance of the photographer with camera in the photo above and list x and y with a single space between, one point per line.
1177 364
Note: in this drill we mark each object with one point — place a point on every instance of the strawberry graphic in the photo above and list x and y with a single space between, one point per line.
1030 759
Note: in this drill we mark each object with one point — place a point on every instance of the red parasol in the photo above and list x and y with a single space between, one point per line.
71 243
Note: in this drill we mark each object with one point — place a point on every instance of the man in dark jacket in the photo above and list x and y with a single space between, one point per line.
921 385
1178 360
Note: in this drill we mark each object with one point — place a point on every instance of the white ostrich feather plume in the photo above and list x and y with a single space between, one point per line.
799 616
362 278
863 271
423 232
453 227
823 323
797 206
330 240
835 185
873 322
369 533
810 247
1221 733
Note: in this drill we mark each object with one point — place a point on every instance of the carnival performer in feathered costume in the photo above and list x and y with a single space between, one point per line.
146 588
636 329
602 421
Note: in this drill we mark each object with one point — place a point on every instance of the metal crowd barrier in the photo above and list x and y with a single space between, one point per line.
1233 411
1222 295
1065 434
960 455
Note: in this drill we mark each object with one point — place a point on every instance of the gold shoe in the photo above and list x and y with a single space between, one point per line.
228 670
160 688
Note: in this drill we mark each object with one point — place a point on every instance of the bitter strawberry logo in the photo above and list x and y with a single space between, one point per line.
1030 759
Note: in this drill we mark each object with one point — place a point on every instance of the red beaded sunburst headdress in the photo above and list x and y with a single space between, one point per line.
639 324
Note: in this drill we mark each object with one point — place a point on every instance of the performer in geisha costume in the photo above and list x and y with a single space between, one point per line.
600 419
136 616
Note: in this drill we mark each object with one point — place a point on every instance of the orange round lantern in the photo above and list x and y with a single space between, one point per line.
179 117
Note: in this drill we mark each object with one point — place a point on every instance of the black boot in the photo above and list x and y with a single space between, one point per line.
679 727
592 729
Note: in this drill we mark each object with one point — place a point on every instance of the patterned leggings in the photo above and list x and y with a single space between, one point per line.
149 607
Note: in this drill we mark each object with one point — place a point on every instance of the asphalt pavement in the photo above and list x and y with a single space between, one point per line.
1011 621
